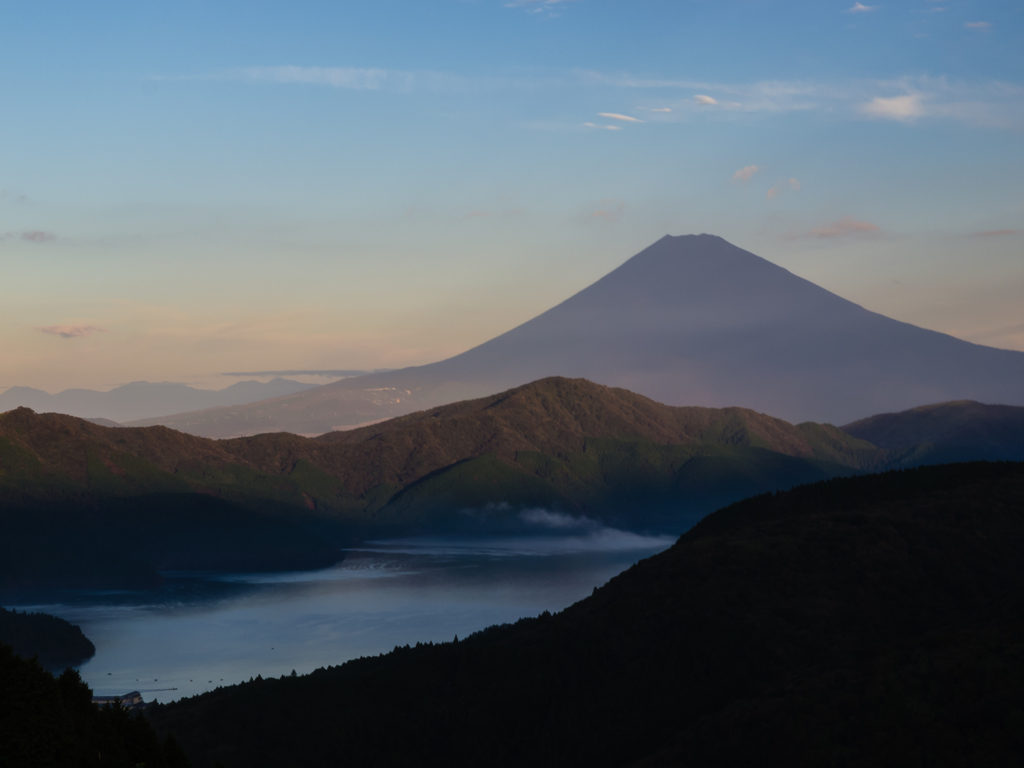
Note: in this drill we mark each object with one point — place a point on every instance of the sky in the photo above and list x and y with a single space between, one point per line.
193 188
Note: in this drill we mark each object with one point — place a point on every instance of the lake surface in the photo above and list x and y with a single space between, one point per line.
200 631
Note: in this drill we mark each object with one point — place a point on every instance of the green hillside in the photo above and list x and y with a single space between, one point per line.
111 506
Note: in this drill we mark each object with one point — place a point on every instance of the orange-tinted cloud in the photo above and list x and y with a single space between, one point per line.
610 211
744 174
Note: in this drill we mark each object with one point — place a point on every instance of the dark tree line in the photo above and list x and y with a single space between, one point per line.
57 642
48 721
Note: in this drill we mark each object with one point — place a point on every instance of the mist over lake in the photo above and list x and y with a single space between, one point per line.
199 631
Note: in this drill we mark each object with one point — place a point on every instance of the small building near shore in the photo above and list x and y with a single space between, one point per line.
131 700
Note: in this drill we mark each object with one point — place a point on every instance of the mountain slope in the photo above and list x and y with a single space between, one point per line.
554 419
690 320
859 622
987 431
97 506
142 400
77 499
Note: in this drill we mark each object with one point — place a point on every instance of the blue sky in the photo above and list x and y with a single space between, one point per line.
193 188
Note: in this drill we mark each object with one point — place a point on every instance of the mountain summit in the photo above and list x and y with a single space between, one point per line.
690 320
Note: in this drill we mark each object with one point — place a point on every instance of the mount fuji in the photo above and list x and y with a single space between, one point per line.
690 320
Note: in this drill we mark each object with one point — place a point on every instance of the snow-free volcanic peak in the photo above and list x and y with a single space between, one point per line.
690 320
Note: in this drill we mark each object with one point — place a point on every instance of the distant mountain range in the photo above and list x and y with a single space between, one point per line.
142 400
689 321
71 490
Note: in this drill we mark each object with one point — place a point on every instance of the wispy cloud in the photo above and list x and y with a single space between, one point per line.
604 127
778 189
31 236
904 108
611 210
617 116
350 78
527 3
843 227
978 25
995 233
773 96
13 197
70 331
480 214
985 104
329 374
861 8
994 104
744 173
537 6
989 105
337 77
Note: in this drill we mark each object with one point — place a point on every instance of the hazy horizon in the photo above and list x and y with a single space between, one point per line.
187 190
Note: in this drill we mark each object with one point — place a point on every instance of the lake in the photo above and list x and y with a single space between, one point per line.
200 631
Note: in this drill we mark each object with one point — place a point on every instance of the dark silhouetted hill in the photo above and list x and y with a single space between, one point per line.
48 722
56 642
986 431
863 621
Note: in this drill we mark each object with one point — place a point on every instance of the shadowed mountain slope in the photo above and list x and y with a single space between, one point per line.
142 399
553 417
77 497
988 431
690 320
859 622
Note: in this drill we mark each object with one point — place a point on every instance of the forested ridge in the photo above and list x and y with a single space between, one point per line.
93 506
860 621
51 722
56 642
